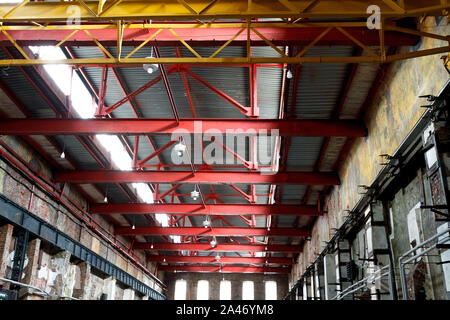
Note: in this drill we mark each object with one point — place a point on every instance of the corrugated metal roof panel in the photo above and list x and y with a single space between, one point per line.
25 93
304 152
269 81
293 194
78 152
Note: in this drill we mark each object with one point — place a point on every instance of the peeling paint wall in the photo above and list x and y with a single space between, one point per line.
392 114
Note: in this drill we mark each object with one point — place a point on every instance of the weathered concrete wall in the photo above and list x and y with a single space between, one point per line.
214 280
391 116
20 190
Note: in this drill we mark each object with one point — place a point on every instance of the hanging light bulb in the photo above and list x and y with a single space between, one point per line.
213 243
217 258
180 148
151 247
133 227
206 223
150 68
289 74
195 194
63 154
268 229
164 260
105 200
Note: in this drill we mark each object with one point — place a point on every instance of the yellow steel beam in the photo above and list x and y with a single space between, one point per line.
226 43
229 61
174 25
119 38
309 46
206 9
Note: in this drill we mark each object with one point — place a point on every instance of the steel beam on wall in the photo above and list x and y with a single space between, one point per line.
200 177
249 127
209 209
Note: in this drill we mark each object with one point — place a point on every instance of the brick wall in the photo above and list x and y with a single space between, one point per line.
20 190
392 114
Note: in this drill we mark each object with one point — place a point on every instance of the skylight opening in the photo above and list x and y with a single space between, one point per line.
85 106
10 1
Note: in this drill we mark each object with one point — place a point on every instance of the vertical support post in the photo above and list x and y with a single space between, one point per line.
305 288
128 294
84 293
254 109
19 257
109 288
343 257
318 280
31 269
135 152
313 285
102 93
329 274
6 232
378 249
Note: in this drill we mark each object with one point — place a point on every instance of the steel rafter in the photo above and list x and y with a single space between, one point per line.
200 177
120 126
220 247
223 260
198 35
213 231
226 269
210 209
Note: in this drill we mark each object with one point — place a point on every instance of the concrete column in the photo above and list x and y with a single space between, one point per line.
128 294
318 280
6 232
236 290
84 293
191 293
109 288
329 274
30 271
312 287
60 265
260 290
343 257
214 288
305 288
378 249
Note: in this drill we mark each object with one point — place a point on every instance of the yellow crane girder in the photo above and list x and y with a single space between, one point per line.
108 10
